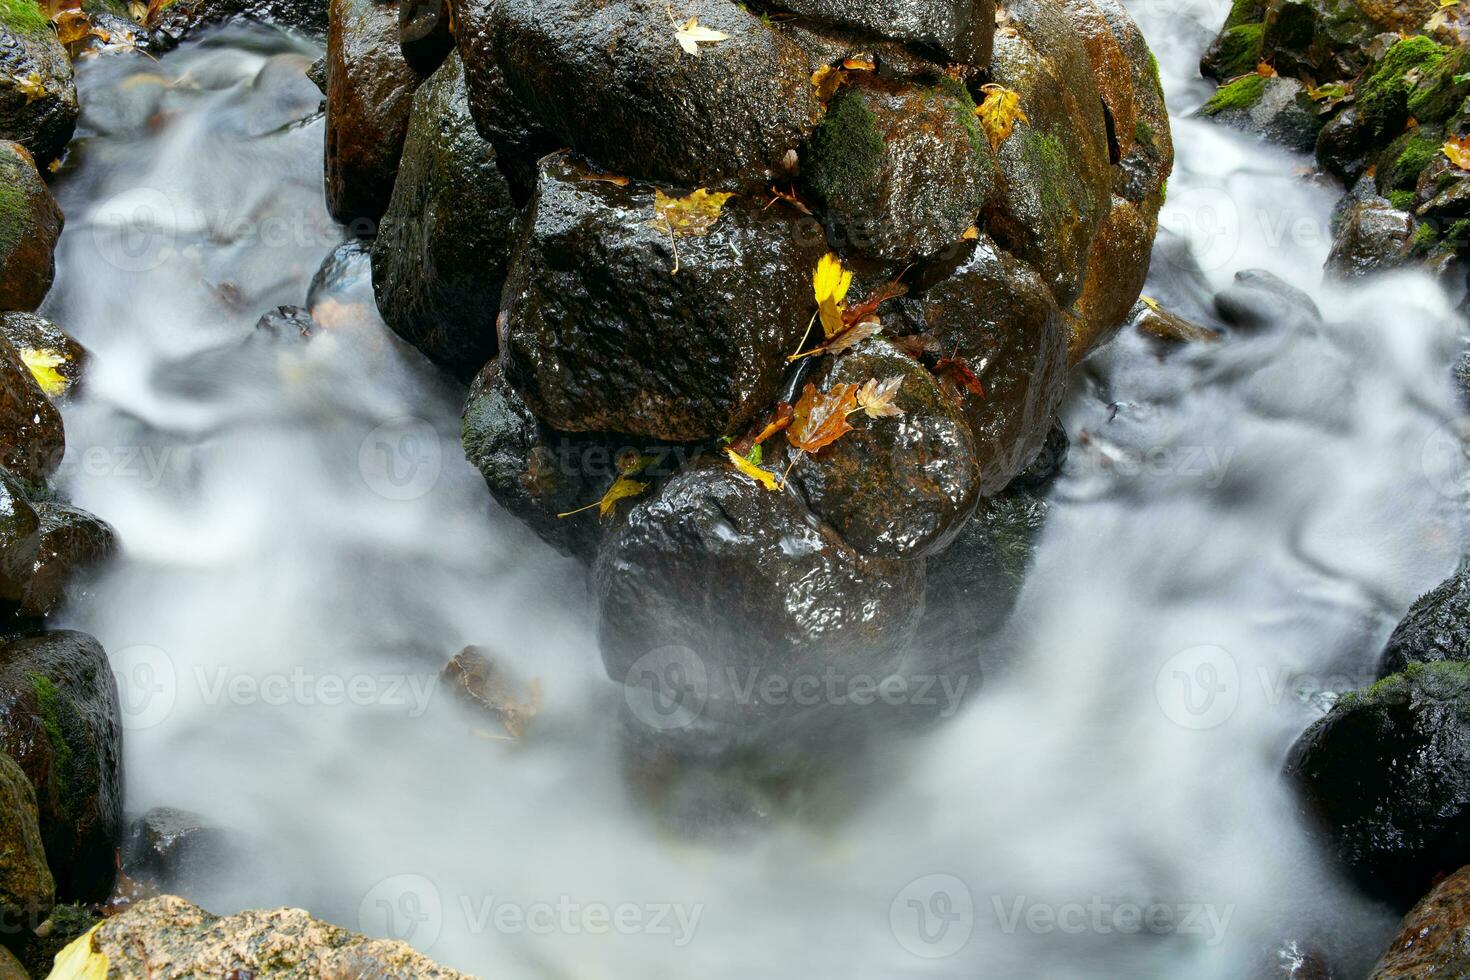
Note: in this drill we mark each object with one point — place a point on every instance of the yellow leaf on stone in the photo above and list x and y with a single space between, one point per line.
690 36
31 86
999 112
830 284
765 478
1457 151
78 962
693 215
43 364
875 397
827 80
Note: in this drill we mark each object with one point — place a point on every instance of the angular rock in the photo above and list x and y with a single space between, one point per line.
28 332
424 36
896 487
176 850
725 584
961 31
345 273
31 437
1434 938
901 171
30 224
41 114
997 314
20 540
27 891
1436 627
444 245
1385 779
608 79
600 336
369 95
1276 109
176 19
71 543
60 720
1374 237
166 938
1056 182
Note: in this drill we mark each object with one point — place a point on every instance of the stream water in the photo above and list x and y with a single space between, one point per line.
1237 529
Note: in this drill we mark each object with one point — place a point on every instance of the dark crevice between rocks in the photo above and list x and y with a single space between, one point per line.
1115 154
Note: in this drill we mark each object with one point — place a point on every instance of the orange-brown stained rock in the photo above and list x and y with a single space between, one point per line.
30 223
1433 940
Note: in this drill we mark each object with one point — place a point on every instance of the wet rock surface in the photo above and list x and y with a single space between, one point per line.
1385 779
38 97
175 850
424 34
173 21
31 437
600 336
168 939
30 224
1277 109
27 890
1373 236
443 249
1434 938
20 540
896 487
28 332
961 30
369 96
70 543
60 720
1436 627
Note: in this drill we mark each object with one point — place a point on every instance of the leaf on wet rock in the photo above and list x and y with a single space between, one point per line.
1457 151
623 487
957 377
691 216
616 179
31 86
820 417
43 364
747 466
691 35
1264 70
78 962
73 25
828 78
999 112
876 397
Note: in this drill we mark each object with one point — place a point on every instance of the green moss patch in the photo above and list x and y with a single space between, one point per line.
13 212
1444 680
1383 92
1245 12
23 16
1403 200
1438 94
846 149
1239 51
1239 94
1401 164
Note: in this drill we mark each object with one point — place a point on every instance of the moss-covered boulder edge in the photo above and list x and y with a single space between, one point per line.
1382 90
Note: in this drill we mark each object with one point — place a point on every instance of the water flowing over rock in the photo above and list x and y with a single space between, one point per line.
171 22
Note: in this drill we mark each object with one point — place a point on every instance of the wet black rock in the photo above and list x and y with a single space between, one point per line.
1385 779
1259 299
344 272
1295 960
60 720
20 539
896 487
176 19
602 335
175 850
71 543
608 78
1373 236
732 588
38 96
26 331
369 95
997 314
424 35
1436 627
444 245
286 322
961 31
32 440
1277 109
901 170
1056 180
30 224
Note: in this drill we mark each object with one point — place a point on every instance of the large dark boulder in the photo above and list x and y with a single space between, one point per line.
444 244
1436 627
995 312
70 543
730 585
609 79
30 224
1276 109
38 96
1384 778
60 720
897 487
960 31
32 440
369 96
27 890
1373 236
1434 938
602 335
1056 180
902 170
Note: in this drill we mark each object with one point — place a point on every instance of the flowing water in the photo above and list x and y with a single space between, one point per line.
1237 528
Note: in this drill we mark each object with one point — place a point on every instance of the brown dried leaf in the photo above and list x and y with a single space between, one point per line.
876 397
820 418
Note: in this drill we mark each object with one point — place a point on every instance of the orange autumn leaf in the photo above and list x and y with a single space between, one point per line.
1457 150
820 418
1264 70
999 112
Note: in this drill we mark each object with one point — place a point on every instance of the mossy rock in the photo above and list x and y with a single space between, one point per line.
41 122
1241 94
1407 157
1442 90
30 224
27 890
1383 92
1235 52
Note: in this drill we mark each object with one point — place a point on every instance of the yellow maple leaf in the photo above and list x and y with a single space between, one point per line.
690 36
43 364
999 112
31 86
765 478
1457 150
827 80
691 216
830 284
78 962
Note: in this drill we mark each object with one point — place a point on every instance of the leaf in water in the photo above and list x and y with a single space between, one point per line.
779 421
820 418
43 364
876 397
765 478
1457 150
999 112
78 962
691 36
